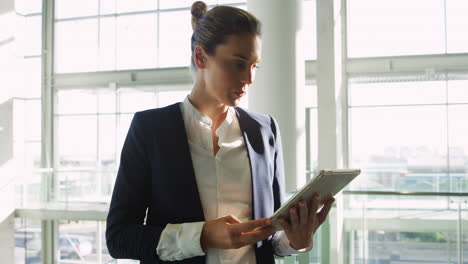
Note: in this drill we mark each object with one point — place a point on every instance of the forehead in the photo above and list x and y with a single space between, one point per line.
247 46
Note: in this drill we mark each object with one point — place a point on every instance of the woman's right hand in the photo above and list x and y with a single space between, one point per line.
228 232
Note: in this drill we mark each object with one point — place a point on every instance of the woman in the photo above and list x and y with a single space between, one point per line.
198 179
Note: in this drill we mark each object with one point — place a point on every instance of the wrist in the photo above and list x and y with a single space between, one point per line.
203 242
300 248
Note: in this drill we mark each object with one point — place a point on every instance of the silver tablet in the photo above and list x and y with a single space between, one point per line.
327 183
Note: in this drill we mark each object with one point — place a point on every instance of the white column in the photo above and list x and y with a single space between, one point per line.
332 112
279 83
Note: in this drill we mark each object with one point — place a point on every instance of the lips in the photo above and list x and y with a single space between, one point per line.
240 93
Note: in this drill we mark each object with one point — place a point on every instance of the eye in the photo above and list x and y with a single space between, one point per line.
240 65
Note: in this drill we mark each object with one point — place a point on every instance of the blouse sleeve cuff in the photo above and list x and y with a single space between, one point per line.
180 241
282 246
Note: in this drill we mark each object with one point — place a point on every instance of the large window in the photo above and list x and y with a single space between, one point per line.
91 126
108 35
82 242
28 241
399 27
22 58
408 134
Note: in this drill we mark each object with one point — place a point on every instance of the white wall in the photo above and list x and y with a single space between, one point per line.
7 186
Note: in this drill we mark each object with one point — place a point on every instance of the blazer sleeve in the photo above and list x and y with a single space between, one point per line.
127 235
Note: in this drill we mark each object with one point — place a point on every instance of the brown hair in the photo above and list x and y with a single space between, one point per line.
212 28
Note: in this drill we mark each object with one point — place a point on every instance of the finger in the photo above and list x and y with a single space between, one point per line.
284 224
231 219
250 225
256 235
293 217
303 212
325 210
314 206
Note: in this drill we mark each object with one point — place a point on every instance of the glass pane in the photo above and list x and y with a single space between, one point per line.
107 7
33 120
175 34
399 148
312 147
309 30
393 28
107 140
464 229
457 23
30 86
124 124
165 4
78 186
70 8
30 35
76 46
76 102
135 5
133 100
77 141
168 98
25 7
29 191
458 129
310 96
82 242
16 110
106 101
224 2
107 45
32 155
458 91
136 41
406 247
397 93
28 248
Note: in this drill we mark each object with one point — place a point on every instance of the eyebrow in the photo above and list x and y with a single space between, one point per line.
243 57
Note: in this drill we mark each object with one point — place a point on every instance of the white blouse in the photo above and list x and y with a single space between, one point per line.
225 188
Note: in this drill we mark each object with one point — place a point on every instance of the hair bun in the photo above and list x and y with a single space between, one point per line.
198 10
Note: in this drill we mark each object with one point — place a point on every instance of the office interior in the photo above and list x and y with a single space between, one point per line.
377 85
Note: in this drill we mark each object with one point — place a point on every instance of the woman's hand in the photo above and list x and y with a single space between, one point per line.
305 221
229 232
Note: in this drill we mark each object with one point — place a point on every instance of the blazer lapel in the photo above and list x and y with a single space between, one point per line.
262 194
182 174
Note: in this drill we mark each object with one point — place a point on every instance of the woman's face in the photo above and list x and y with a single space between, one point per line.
230 72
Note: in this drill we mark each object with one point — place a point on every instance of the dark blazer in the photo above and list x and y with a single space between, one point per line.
156 179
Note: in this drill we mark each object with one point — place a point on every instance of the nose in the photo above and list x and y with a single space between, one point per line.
248 75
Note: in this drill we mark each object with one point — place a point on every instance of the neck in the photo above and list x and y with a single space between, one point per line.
207 104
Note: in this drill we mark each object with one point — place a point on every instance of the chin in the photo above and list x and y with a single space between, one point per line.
236 102
233 102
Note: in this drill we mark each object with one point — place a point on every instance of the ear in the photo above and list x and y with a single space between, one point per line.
199 57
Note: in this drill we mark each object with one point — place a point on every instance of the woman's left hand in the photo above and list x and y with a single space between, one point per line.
305 221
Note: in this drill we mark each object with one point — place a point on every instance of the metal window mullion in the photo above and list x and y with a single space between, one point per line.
344 90
445 27
49 237
158 37
459 234
46 85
